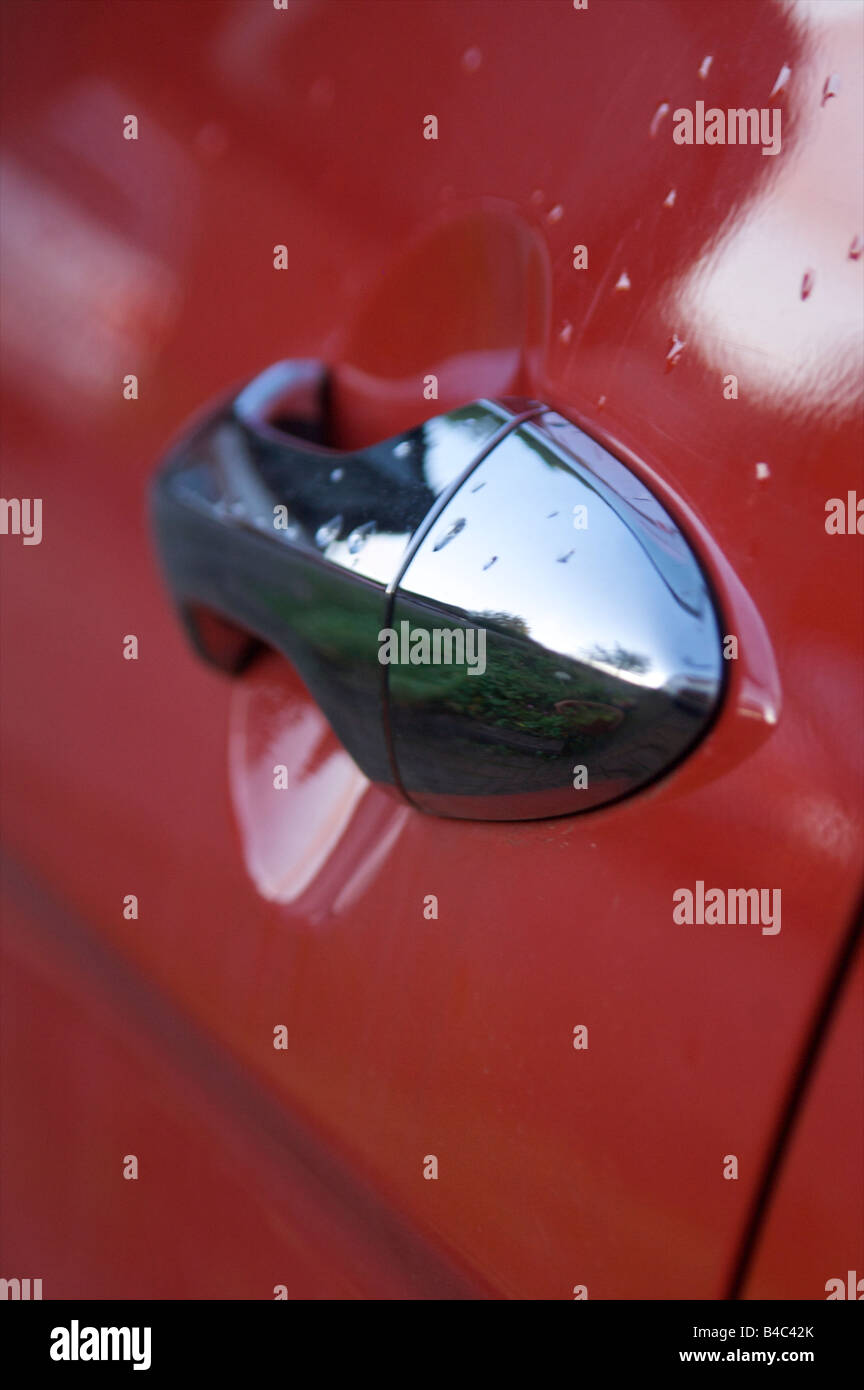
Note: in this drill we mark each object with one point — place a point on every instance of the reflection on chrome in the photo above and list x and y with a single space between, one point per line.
602 653
611 662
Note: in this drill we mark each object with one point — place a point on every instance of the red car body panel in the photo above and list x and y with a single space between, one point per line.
826 1213
409 1037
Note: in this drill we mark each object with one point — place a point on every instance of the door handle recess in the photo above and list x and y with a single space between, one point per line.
495 615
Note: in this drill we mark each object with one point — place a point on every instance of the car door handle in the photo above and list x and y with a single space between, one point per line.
496 616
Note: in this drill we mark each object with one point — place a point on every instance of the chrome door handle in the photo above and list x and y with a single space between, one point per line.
495 615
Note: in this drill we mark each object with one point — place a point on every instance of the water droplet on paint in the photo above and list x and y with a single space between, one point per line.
669 200
328 532
237 509
705 66
623 281
555 214
782 78
537 197
762 472
831 87
471 59
566 332
601 402
359 536
807 284
451 531
337 474
673 356
658 117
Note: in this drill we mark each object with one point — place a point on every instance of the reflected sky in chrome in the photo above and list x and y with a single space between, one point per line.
588 594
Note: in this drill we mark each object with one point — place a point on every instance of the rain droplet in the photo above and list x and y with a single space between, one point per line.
555 214
657 119
562 559
566 332
537 197
328 532
669 200
623 281
673 356
601 402
337 474
807 284
402 450
782 78
831 87
856 248
549 515
237 509
359 536
471 59
452 531
762 472
478 487
489 563
705 66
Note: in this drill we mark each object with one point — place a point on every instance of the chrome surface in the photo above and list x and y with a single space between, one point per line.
267 536
603 653
494 614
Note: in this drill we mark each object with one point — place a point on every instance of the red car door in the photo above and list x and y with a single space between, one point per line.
356 1050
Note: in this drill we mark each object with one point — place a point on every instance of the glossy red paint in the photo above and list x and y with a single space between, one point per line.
819 1196
408 1036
